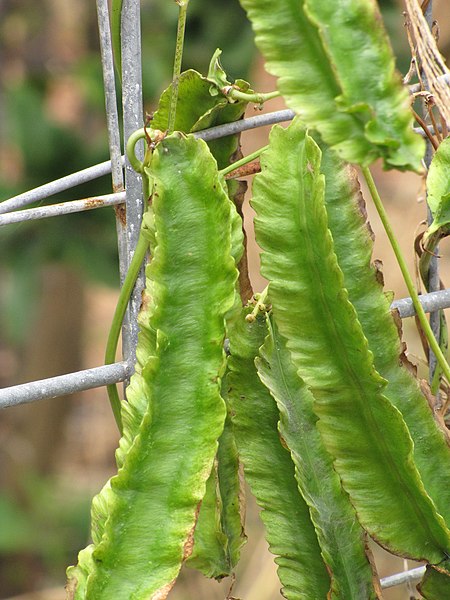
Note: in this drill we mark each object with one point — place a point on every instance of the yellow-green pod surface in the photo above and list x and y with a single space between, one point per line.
335 68
145 516
342 540
435 584
269 469
362 430
353 246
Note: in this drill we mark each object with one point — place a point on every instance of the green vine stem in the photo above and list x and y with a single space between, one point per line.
242 161
137 135
434 345
133 270
429 249
183 4
152 137
119 314
257 98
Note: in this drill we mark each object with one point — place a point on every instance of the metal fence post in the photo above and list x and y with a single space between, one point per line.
434 282
112 123
132 119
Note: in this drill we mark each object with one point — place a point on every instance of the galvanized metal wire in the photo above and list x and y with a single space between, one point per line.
64 385
112 124
132 106
118 372
54 187
402 577
63 208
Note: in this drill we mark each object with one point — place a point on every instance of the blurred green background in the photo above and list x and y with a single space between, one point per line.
59 277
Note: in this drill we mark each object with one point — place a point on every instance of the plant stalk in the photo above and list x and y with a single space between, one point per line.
116 325
183 4
434 345
137 135
257 98
242 161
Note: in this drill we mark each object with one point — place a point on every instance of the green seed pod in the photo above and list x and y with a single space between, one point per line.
144 518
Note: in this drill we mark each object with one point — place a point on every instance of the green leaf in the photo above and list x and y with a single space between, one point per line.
194 100
269 469
299 55
441 219
216 74
145 516
346 213
223 149
342 540
359 51
435 584
438 188
438 184
361 429
197 110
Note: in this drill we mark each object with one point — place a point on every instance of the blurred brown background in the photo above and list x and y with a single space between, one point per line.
59 277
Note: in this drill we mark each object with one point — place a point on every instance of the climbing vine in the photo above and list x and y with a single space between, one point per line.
305 385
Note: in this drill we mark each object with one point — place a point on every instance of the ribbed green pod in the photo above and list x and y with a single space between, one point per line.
209 554
198 109
362 60
269 469
231 494
219 532
435 584
335 68
145 516
342 540
362 430
353 246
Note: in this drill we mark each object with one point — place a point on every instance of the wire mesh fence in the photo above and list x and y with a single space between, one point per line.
126 197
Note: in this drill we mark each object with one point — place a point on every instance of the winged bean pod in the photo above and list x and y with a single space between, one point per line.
435 584
342 540
209 555
362 430
362 114
359 51
269 469
346 213
145 516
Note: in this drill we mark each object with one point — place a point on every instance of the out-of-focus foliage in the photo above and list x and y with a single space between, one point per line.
52 120
48 147
48 151
210 25
28 528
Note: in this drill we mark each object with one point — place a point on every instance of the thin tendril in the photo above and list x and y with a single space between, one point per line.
434 345
183 4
